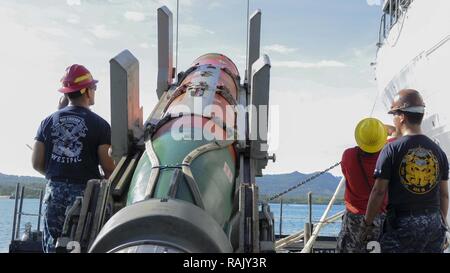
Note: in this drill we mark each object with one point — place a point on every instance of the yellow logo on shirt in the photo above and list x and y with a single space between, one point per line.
419 170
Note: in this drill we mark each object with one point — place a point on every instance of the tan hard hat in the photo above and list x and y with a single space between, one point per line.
408 100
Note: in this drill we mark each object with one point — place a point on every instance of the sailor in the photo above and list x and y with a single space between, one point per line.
358 164
70 145
392 133
414 171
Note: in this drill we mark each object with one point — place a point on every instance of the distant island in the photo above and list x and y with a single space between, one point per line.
322 187
33 185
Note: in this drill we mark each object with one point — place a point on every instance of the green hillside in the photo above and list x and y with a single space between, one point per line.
322 187
33 185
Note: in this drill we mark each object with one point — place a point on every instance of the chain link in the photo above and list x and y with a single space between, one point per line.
303 182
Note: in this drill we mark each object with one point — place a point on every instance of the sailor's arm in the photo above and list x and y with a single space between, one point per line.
443 189
376 199
106 162
38 157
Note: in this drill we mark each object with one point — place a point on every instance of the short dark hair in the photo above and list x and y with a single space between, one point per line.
75 95
413 118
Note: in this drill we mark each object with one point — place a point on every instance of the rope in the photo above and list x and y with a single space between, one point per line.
303 182
374 103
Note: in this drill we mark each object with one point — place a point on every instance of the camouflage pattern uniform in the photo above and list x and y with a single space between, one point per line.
349 237
58 197
413 233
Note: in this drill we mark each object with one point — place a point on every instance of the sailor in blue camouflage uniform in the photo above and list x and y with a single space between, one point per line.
70 145
414 171
58 197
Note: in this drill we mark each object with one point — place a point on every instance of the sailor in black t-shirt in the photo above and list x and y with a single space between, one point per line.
70 145
414 171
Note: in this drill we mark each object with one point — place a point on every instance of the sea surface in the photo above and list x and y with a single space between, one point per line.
30 206
294 218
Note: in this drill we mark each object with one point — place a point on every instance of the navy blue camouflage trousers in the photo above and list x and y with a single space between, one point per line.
414 234
58 197
349 239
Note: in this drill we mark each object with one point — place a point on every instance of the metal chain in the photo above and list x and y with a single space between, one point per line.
303 182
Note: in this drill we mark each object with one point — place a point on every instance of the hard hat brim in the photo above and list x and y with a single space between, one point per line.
71 89
372 148
412 109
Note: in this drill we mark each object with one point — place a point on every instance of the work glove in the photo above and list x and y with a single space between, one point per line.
366 234
446 243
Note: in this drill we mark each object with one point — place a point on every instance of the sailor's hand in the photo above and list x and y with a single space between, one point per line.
390 129
63 102
366 234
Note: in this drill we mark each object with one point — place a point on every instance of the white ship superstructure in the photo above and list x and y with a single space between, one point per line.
414 52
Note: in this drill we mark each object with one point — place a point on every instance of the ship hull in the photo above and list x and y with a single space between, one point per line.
415 54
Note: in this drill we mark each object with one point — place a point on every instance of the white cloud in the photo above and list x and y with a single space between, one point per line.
365 52
29 58
298 64
215 5
298 128
191 30
187 3
373 2
53 31
173 6
357 52
134 16
279 49
144 45
87 41
73 19
73 2
100 31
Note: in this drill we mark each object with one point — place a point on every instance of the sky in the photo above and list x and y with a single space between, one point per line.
321 80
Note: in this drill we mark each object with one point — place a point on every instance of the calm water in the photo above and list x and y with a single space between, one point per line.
6 219
294 217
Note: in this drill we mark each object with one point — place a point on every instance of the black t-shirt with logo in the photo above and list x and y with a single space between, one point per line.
414 166
71 137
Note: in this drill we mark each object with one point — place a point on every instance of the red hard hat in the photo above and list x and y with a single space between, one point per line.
76 78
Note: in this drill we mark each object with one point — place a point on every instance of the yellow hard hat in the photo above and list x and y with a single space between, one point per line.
370 135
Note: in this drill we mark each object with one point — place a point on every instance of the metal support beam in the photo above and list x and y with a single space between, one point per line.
165 50
255 217
259 114
254 41
41 198
242 228
126 114
281 216
19 216
16 200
